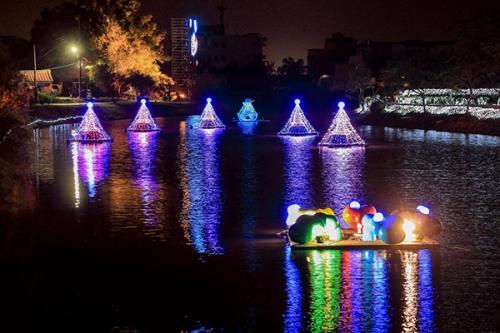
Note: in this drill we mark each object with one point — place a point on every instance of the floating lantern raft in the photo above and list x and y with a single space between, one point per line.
90 129
319 228
143 121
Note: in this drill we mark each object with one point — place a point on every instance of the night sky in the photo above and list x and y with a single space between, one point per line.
291 26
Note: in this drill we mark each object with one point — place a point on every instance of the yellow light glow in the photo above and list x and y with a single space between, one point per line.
409 227
73 49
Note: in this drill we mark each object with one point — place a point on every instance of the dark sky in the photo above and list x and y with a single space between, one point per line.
291 26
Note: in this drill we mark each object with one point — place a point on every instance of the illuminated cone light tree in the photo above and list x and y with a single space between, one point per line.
143 121
90 129
208 117
341 131
247 111
298 123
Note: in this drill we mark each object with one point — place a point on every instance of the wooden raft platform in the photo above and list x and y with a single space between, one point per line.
352 244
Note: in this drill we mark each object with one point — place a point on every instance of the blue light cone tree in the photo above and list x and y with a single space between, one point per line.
208 118
341 132
90 129
247 111
143 121
298 124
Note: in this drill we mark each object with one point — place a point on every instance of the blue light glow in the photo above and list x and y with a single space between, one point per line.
355 205
422 209
143 101
341 105
297 101
195 25
378 217
90 105
209 100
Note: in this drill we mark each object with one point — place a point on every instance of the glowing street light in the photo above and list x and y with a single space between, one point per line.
74 49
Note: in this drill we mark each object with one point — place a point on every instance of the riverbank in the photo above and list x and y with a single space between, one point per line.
448 123
107 110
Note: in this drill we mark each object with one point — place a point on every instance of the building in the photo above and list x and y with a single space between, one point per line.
337 50
43 79
184 48
218 50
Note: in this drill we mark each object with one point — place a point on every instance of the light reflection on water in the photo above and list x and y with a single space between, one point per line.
349 291
342 174
91 164
198 163
299 186
134 184
143 146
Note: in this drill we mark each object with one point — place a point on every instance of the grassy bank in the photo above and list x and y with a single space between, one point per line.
454 123
109 110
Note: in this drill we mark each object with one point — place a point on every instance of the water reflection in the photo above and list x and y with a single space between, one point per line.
298 172
350 291
143 146
342 174
91 164
248 200
202 200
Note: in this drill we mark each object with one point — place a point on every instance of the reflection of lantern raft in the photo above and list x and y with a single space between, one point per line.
403 229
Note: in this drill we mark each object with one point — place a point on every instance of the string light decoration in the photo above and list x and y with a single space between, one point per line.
247 111
208 118
90 129
341 131
298 123
143 121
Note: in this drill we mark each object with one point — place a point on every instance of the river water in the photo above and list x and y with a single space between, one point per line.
176 231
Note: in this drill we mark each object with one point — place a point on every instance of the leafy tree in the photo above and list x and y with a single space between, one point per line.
126 43
476 58
14 98
360 78
417 72
290 67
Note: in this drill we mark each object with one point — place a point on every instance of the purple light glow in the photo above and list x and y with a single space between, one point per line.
143 121
90 129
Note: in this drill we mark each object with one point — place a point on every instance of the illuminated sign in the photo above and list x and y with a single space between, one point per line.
193 25
194 44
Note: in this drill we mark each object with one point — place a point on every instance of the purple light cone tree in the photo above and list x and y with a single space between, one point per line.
90 129
341 132
208 118
298 124
143 121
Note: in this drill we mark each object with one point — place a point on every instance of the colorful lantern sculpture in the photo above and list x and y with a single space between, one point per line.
298 123
353 214
389 229
208 118
90 129
143 121
247 111
419 222
341 132
306 224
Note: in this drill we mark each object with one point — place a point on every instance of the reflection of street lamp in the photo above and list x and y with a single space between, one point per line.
74 49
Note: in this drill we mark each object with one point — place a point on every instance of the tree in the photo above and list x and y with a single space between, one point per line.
360 78
291 67
127 43
417 72
14 97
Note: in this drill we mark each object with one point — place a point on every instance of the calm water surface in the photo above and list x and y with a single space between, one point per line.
176 231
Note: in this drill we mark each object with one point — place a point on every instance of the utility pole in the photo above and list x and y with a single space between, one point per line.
79 60
34 72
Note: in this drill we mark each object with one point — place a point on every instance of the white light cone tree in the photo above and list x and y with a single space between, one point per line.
90 129
341 131
143 121
208 117
298 124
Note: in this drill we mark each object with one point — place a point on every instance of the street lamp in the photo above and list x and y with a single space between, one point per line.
74 49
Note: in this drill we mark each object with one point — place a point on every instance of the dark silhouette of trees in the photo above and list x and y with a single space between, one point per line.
290 67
